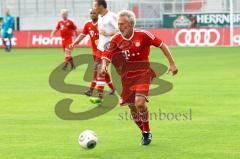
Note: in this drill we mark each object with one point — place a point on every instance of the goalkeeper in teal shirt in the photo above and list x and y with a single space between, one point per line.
7 30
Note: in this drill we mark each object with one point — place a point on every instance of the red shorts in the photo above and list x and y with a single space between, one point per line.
66 43
136 86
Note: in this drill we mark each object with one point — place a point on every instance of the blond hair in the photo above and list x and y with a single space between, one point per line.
63 11
129 15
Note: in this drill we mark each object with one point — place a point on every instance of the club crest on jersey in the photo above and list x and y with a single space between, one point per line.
137 43
91 33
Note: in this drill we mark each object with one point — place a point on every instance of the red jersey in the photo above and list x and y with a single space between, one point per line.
91 29
130 56
67 28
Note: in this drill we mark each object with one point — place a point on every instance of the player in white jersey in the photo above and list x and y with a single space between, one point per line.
107 23
107 27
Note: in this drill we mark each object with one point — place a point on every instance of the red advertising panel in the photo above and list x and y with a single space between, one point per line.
40 39
174 37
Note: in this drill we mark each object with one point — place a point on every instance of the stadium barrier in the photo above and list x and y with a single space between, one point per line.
172 37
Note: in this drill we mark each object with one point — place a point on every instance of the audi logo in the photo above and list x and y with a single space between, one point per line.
197 37
236 39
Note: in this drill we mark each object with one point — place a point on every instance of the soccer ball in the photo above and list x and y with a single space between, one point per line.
88 139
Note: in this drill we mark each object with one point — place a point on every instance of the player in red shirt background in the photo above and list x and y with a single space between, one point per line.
129 53
91 28
67 30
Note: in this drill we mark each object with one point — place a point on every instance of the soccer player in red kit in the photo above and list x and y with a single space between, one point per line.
129 51
91 28
67 29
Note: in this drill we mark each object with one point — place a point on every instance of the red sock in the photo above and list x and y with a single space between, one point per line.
100 85
144 115
65 60
108 81
137 120
70 59
100 91
93 83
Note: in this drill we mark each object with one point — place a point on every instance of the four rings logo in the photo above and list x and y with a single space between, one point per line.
236 39
197 37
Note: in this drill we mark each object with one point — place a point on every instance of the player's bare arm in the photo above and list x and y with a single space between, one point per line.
53 33
76 33
172 66
79 38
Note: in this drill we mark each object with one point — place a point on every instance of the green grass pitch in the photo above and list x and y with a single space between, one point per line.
207 83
